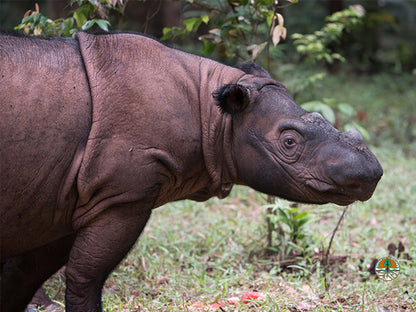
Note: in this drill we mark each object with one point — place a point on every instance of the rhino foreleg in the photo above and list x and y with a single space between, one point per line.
21 276
97 250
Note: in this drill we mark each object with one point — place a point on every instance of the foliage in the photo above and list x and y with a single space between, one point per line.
287 225
191 26
88 14
317 46
238 29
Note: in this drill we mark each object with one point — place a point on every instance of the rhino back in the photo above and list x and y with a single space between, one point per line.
44 125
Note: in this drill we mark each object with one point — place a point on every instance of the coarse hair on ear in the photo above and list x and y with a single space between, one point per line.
232 98
252 68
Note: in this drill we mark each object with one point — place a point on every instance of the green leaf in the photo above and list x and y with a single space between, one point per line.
167 33
353 125
297 36
284 217
269 19
209 48
192 24
36 18
301 215
68 22
330 101
80 18
338 57
73 31
324 109
27 19
301 223
328 58
103 24
346 109
205 19
67 26
292 210
88 25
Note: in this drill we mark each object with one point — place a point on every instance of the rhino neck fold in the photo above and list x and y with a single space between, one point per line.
217 150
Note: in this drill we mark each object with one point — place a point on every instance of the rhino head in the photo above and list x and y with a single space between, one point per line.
282 150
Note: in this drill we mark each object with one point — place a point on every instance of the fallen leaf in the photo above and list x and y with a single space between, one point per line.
215 306
251 295
197 306
233 301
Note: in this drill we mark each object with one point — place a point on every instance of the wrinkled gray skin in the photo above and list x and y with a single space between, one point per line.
99 130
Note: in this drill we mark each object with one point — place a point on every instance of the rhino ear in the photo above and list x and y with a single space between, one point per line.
232 98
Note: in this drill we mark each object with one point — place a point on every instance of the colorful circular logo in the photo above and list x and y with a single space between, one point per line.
388 268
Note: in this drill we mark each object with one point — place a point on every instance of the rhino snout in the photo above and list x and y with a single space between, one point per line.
355 174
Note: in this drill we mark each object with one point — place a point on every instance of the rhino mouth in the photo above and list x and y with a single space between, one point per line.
339 194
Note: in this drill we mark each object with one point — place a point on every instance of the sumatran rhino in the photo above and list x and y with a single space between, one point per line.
98 130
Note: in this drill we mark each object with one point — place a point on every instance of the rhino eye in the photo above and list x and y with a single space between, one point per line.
290 146
290 142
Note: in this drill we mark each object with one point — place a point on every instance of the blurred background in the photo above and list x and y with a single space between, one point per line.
352 61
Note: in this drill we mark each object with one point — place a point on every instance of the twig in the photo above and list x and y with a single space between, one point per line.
150 16
269 37
270 200
325 260
122 8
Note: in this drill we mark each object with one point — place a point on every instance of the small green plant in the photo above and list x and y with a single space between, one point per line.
287 227
317 46
342 115
88 14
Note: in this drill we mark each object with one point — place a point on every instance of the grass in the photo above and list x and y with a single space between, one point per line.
213 251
